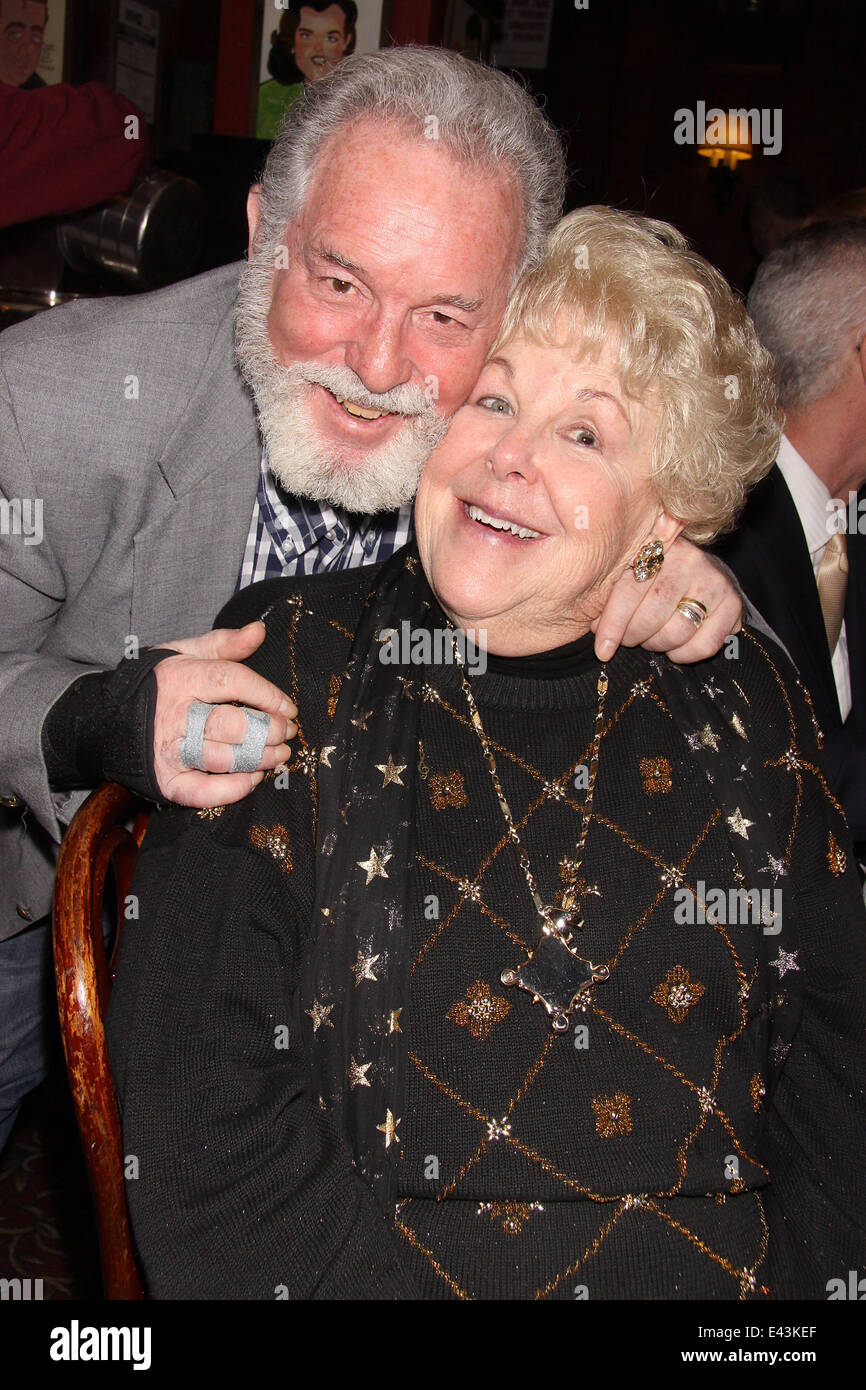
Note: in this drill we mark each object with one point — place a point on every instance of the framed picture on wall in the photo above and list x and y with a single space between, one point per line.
471 29
270 49
31 44
302 42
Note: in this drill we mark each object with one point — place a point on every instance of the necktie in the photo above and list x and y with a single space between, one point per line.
832 581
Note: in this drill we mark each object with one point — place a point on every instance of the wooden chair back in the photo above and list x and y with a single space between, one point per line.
95 841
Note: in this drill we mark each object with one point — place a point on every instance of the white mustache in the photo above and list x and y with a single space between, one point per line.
343 382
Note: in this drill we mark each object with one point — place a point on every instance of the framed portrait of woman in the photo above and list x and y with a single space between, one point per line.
270 49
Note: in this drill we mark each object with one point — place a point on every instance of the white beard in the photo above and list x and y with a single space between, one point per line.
307 463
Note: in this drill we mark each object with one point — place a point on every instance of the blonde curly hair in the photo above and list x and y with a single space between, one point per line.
681 338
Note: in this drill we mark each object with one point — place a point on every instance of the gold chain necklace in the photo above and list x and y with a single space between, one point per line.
553 973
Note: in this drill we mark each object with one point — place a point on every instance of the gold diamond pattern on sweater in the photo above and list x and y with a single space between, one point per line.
611 1117
656 774
274 839
479 1010
512 1216
837 859
334 683
613 1114
447 791
678 993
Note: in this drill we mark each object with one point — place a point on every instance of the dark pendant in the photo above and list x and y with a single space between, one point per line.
555 974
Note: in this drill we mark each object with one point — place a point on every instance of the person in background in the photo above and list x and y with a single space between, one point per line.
799 551
64 148
22 31
850 204
777 206
312 39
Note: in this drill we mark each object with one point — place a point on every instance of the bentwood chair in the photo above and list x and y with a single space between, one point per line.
94 842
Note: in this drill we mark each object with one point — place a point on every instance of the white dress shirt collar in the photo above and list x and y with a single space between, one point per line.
811 497
812 500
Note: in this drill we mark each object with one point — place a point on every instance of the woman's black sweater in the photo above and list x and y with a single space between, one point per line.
697 1133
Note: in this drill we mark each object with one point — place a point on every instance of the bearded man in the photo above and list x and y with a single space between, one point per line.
400 202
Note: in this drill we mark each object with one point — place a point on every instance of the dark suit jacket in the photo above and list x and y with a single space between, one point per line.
769 556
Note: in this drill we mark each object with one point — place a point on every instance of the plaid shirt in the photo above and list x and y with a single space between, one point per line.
290 536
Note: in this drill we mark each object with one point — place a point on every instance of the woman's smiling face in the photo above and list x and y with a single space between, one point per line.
538 497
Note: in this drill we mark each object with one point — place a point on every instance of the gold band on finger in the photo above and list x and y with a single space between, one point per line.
693 609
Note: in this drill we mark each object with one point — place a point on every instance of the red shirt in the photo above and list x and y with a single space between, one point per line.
64 148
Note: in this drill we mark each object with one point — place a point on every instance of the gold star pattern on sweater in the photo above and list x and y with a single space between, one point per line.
512 1216
363 968
319 1014
357 1073
375 865
739 824
388 1127
391 772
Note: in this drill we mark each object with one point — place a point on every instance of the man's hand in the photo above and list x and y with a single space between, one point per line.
209 670
646 614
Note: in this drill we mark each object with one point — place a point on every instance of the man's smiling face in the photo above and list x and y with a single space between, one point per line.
399 267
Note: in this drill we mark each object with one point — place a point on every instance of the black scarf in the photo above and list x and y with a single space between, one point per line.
356 978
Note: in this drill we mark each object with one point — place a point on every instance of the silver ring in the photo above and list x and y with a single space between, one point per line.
689 609
247 755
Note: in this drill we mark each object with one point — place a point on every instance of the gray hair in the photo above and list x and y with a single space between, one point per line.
808 303
483 119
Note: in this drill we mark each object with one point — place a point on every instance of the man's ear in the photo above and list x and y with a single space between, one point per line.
254 212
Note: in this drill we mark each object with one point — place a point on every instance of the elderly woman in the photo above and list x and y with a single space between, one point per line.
534 977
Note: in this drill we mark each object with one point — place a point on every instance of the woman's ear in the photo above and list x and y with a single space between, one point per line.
667 528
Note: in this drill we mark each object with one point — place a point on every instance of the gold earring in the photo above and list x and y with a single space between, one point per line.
648 561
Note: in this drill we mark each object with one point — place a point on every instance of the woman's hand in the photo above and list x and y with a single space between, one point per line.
646 614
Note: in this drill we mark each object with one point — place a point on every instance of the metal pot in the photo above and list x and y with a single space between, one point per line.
150 236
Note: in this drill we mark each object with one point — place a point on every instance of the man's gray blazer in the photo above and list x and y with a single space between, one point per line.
129 422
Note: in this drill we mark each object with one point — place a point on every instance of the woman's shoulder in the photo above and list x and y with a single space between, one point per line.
759 670
336 592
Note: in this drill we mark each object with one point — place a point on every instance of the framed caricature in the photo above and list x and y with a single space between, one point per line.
32 43
470 29
269 50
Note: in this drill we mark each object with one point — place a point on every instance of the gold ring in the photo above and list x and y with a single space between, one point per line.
648 560
695 602
693 609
